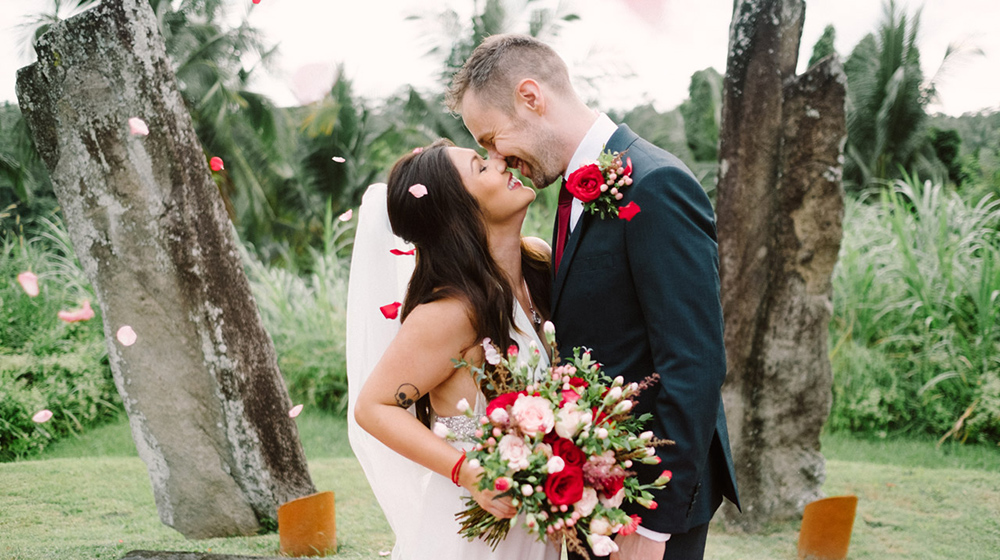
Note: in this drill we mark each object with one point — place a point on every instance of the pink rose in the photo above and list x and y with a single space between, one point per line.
602 545
513 450
533 415
585 505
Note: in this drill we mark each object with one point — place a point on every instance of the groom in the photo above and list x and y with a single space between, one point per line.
643 294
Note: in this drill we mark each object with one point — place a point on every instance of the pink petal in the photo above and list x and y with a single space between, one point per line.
216 164
126 336
384 552
256 1
29 282
295 411
138 127
339 159
628 211
399 253
42 416
390 311
418 190
417 150
85 313
346 216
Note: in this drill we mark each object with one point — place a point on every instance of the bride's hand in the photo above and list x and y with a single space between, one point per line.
487 499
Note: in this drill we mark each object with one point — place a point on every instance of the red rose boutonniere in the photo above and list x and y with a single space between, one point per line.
599 185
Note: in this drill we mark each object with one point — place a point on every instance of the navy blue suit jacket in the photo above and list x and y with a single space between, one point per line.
644 296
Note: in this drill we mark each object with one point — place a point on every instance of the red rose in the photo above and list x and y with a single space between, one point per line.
585 183
612 485
565 487
569 452
503 401
577 382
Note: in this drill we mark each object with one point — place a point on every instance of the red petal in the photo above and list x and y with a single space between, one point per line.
628 211
628 167
391 311
399 253
216 164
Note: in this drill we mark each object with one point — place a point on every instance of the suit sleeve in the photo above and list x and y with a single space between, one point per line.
673 257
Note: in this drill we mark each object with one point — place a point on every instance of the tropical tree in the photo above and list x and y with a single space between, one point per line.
887 101
824 45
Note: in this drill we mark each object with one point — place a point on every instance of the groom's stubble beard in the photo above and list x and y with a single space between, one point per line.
544 161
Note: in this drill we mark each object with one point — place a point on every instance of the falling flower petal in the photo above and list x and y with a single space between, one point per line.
346 216
399 253
256 1
339 159
391 311
417 150
418 190
628 167
628 211
295 411
216 164
384 552
42 416
29 282
138 127
85 313
126 336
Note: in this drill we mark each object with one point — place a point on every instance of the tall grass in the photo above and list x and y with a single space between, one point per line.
44 362
305 313
916 317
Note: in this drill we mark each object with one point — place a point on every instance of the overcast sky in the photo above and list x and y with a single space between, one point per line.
660 42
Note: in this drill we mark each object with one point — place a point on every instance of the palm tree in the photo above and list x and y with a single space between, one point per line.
887 98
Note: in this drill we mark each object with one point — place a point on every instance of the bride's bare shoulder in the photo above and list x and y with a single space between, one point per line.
445 317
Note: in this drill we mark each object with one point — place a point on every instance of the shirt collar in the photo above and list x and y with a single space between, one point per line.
593 143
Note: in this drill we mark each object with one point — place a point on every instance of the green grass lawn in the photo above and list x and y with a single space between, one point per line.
90 497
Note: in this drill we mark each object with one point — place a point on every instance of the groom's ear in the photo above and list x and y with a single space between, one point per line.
529 96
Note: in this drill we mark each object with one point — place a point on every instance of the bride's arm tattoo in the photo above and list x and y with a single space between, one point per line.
406 395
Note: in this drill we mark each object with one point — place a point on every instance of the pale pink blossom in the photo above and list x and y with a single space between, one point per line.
533 415
126 335
418 190
85 313
346 216
440 430
571 419
513 450
585 506
500 416
555 464
462 405
42 416
492 356
339 159
614 501
29 283
138 127
295 411
600 526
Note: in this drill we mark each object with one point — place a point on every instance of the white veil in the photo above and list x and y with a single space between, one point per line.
378 278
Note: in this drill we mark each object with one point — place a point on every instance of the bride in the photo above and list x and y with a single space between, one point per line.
473 277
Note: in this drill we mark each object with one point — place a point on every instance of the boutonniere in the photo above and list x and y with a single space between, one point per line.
600 185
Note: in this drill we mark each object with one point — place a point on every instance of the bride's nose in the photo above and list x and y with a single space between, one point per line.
501 165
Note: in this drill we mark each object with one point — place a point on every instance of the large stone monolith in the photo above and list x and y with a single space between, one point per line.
207 405
780 208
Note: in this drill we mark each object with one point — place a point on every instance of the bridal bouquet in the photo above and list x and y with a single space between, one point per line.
560 443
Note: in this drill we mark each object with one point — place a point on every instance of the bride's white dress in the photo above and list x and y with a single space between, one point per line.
419 505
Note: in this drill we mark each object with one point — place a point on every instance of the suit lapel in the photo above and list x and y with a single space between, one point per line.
619 141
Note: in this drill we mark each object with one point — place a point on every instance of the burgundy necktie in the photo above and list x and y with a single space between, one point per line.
562 222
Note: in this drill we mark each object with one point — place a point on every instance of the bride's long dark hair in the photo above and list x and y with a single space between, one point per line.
453 256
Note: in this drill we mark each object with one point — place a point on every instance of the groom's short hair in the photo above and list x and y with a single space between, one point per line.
499 63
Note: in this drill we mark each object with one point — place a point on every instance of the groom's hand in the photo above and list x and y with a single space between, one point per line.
637 547
487 499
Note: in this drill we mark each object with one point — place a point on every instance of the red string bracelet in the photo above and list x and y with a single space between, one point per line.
457 469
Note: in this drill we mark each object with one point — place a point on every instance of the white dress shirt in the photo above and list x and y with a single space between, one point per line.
588 151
